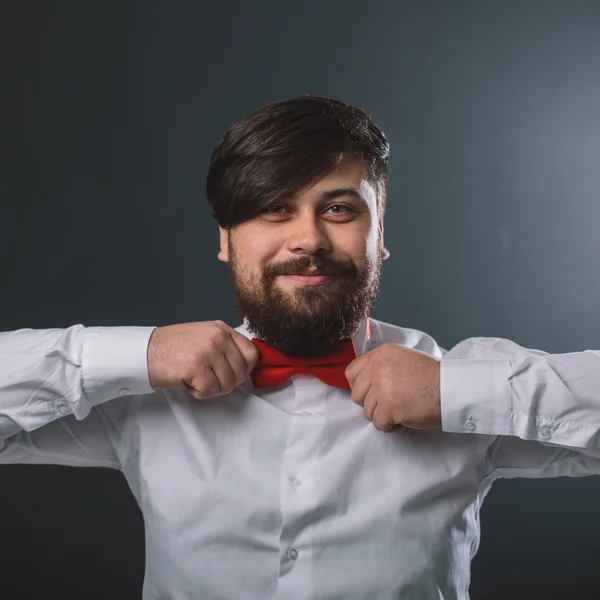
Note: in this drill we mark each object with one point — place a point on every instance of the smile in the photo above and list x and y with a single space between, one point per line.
307 279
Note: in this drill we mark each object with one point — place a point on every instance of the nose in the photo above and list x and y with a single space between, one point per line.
308 234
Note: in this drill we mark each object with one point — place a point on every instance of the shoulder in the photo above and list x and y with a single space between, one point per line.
490 348
386 333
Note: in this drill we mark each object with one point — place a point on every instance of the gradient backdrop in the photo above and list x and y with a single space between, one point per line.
109 113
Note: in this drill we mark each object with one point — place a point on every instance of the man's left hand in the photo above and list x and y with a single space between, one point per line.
397 386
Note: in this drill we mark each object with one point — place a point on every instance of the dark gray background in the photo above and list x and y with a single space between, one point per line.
109 112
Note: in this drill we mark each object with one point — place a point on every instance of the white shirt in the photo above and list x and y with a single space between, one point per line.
290 493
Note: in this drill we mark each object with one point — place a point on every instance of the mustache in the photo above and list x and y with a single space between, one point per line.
305 263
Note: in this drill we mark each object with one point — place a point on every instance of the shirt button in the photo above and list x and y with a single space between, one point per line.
470 425
545 432
295 481
63 410
124 392
292 554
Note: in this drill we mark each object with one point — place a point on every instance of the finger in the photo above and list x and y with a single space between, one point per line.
224 373
360 389
195 393
369 407
381 420
394 428
247 349
204 384
240 351
237 361
355 367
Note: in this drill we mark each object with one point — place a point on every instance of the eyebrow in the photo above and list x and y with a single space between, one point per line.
338 192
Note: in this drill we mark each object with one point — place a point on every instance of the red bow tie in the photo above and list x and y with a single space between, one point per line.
274 368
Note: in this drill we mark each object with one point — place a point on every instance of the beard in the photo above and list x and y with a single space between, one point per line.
306 321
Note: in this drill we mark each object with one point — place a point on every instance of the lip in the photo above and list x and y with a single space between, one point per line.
317 279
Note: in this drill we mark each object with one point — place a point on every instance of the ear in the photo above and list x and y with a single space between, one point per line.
384 251
224 241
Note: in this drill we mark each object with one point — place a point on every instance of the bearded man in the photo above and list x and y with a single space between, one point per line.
312 453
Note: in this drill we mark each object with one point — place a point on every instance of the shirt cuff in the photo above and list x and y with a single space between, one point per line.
115 362
475 396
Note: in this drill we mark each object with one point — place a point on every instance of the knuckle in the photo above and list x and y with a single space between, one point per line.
193 392
217 336
206 389
200 371
197 393
384 425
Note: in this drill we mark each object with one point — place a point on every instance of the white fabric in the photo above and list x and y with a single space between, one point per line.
503 389
289 493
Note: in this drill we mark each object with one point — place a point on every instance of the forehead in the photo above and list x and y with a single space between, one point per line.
351 173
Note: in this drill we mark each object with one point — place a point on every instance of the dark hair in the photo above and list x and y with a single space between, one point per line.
279 148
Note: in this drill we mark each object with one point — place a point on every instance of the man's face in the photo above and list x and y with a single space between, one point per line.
305 271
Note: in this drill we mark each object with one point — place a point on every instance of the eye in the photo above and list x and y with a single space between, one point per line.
344 209
341 213
274 209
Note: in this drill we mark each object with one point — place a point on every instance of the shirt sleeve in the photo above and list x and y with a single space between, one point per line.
62 374
494 386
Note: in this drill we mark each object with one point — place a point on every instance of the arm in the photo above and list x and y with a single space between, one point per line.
52 382
63 392
493 386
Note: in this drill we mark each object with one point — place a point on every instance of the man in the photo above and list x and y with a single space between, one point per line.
248 450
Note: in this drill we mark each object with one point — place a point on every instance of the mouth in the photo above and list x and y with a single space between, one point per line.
308 278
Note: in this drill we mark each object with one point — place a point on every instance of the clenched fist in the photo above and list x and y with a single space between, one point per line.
397 386
209 358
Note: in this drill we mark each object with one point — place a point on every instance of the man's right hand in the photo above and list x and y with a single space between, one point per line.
209 358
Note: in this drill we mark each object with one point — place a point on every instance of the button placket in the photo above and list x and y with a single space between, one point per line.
299 494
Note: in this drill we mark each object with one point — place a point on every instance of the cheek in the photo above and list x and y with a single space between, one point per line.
252 253
249 269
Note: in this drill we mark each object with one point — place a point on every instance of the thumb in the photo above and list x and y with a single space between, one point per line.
248 349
